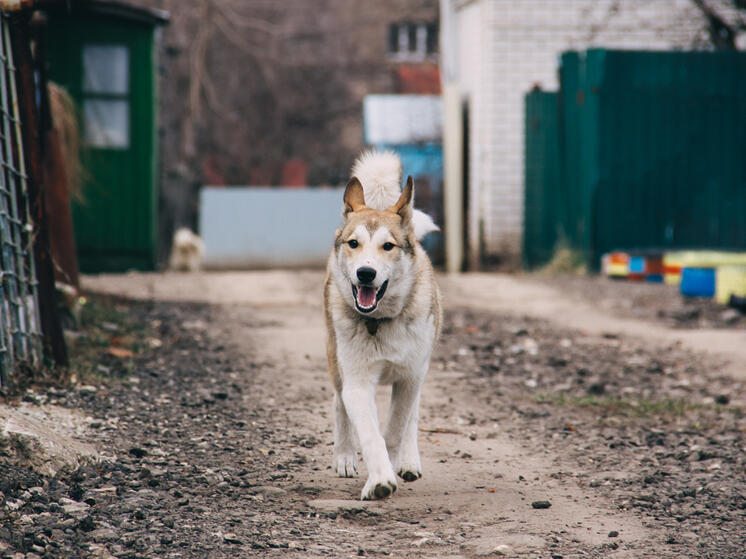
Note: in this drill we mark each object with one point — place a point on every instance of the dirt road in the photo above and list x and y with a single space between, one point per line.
538 439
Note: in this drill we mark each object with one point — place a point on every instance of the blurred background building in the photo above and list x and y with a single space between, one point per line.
271 93
494 51
251 93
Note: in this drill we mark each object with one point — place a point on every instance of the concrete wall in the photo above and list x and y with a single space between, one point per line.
255 227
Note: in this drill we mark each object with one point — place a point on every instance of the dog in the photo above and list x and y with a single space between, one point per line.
383 316
187 251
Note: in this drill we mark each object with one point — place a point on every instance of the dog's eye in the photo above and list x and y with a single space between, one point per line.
353 243
388 246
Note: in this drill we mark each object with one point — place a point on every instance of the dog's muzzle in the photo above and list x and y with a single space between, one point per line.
367 296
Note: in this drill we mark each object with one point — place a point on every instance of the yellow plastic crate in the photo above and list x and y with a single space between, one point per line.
729 280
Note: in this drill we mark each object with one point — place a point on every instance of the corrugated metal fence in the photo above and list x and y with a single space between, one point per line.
542 223
650 154
20 332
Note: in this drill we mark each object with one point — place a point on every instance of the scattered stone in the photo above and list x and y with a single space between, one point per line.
613 534
503 549
231 538
74 508
138 452
87 524
103 535
729 316
541 504
597 388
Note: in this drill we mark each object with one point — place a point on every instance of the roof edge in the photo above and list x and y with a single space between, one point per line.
115 8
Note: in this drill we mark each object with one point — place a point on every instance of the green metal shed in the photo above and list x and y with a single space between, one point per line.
660 161
104 53
543 197
651 154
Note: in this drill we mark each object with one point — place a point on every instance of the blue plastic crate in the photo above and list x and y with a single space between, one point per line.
698 282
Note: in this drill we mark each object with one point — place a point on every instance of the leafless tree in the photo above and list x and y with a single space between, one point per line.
247 85
723 30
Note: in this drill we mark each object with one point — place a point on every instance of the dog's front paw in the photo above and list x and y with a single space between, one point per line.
378 488
409 472
345 465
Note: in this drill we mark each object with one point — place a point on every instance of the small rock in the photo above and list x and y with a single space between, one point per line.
103 535
730 316
138 452
597 388
267 491
74 508
613 534
13 505
722 399
76 492
541 504
231 538
87 524
503 549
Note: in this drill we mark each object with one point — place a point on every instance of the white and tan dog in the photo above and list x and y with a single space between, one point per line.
383 315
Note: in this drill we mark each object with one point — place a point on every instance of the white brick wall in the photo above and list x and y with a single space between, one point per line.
520 46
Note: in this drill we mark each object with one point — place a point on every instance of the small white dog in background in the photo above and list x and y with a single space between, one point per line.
383 316
187 251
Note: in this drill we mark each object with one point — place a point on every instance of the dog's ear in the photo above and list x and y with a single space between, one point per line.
403 206
354 198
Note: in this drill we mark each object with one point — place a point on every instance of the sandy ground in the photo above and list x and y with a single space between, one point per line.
522 296
480 476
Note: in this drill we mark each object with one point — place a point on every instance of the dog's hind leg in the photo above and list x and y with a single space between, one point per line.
344 440
401 430
359 401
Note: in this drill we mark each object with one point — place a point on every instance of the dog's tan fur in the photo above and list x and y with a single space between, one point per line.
389 344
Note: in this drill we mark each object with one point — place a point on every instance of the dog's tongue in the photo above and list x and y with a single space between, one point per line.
366 296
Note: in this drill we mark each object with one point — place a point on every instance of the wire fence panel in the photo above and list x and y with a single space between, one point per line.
20 329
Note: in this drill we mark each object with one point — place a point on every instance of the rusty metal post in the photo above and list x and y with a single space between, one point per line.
20 38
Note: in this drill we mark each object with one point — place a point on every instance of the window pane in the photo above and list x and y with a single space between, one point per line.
403 38
105 69
106 123
412 29
393 37
432 38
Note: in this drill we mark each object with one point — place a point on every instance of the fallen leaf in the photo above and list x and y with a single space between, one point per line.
120 341
120 352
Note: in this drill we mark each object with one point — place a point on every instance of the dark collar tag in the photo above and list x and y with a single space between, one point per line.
372 325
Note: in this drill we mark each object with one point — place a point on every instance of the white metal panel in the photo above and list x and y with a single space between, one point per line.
402 119
255 227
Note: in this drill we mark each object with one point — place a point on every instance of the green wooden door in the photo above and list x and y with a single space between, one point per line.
107 65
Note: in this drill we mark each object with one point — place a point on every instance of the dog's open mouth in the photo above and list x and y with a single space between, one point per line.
367 296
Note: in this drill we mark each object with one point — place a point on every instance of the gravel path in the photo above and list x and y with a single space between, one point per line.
537 440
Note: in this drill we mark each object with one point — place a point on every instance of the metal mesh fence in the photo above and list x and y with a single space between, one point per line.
20 330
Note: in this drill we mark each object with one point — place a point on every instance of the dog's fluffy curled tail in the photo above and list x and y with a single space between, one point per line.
380 174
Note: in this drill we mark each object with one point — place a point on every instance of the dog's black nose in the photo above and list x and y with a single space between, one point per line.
366 275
